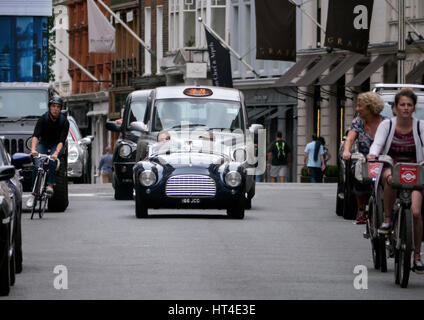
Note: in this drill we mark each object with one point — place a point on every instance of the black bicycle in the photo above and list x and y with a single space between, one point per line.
40 185
368 172
406 177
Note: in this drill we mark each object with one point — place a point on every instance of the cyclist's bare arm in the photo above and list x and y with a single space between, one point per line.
34 143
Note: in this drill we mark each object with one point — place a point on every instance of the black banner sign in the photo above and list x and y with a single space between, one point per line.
348 25
275 30
220 62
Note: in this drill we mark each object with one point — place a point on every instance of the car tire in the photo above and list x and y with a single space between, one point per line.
339 200
12 267
18 242
236 211
349 202
141 210
123 193
5 263
248 204
59 202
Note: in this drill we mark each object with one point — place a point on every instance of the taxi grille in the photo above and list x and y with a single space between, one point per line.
190 185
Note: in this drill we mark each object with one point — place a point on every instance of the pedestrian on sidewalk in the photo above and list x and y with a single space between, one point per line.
314 159
279 158
105 166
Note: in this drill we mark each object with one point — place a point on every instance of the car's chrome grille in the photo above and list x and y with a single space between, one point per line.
190 185
14 145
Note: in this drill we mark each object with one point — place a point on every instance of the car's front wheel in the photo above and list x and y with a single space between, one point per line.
141 210
4 263
236 210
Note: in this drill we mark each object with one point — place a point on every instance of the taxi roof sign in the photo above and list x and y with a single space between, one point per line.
198 92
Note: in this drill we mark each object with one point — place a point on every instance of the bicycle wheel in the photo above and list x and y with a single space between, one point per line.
404 249
43 197
372 231
36 193
379 218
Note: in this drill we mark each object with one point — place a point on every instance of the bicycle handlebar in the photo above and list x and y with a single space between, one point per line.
47 156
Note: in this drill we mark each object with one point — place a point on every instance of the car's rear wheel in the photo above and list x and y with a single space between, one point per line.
141 210
349 202
59 201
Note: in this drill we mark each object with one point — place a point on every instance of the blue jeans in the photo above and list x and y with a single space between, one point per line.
46 149
316 174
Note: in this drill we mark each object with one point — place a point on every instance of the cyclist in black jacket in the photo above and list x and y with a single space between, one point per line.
49 137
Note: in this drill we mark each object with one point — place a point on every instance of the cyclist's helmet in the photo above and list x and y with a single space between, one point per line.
56 100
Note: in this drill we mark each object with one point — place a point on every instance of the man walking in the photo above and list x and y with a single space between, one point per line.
105 166
279 158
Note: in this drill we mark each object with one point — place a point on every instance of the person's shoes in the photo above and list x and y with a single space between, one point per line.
384 228
30 201
360 217
418 267
49 191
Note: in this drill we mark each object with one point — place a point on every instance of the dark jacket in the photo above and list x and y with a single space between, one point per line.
51 132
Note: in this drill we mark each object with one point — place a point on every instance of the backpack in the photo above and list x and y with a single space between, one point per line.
281 151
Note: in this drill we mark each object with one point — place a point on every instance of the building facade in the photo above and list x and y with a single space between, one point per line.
62 82
89 101
329 82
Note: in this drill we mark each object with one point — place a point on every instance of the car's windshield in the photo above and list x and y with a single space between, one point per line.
172 114
389 101
21 103
137 111
75 131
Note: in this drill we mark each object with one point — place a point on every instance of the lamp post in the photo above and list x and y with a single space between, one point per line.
401 54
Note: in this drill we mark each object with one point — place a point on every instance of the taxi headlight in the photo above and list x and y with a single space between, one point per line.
147 178
124 151
233 179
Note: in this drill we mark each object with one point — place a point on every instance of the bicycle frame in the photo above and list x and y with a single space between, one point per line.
40 183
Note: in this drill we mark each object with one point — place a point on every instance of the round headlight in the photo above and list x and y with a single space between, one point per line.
233 179
28 143
147 178
72 155
239 155
124 151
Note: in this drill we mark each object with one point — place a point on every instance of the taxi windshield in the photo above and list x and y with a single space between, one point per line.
205 113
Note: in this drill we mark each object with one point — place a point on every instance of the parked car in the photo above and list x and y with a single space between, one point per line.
79 166
345 199
10 215
189 174
125 149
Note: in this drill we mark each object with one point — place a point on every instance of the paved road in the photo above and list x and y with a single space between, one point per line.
291 245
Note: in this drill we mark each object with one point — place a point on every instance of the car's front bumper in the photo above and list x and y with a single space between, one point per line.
75 169
124 172
156 197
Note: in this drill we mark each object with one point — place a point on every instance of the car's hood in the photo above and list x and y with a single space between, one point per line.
189 159
15 125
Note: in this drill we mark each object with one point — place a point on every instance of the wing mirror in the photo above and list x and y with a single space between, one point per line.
139 126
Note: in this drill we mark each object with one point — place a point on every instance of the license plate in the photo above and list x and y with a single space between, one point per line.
190 201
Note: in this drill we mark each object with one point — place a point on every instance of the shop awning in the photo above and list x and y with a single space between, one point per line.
416 74
311 75
294 71
348 62
370 69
